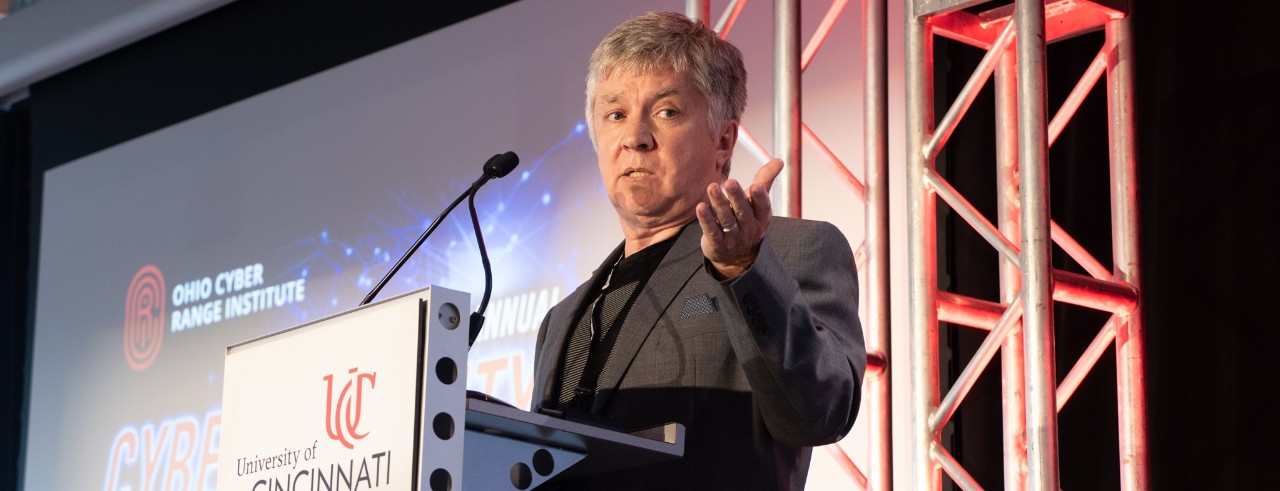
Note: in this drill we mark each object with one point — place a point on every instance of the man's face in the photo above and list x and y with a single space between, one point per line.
655 151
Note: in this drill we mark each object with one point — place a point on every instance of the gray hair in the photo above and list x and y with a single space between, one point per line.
658 41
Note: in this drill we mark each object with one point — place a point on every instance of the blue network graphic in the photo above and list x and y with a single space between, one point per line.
524 217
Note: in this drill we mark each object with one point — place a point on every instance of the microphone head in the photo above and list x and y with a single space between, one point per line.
501 164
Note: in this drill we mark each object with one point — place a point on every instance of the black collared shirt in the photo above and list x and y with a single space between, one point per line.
597 324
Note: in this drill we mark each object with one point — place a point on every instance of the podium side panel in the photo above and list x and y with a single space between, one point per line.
444 390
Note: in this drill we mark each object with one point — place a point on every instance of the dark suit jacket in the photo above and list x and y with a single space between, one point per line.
758 369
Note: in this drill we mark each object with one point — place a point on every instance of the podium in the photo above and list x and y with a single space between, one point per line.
375 398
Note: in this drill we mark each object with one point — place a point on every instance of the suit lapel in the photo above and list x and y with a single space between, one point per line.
560 323
680 263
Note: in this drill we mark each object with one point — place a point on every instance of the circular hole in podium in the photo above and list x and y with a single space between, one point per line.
543 462
521 477
441 480
443 426
449 315
447 370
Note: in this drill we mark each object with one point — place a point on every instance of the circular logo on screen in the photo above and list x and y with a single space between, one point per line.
144 317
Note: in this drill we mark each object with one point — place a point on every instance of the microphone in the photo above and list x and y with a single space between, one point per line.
497 166
501 164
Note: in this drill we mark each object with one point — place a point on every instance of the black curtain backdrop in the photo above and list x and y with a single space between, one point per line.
234 52
1209 115
1205 77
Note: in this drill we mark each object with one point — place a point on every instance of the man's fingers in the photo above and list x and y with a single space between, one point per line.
767 174
707 220
761 205
721 206
742 206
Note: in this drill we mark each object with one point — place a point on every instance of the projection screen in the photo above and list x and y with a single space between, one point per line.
159 252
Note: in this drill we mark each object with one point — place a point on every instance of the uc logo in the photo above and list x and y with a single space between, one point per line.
342 415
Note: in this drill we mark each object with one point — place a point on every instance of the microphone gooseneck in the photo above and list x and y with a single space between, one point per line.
477 317
497 166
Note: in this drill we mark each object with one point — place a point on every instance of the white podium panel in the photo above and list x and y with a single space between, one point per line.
376 398
339 403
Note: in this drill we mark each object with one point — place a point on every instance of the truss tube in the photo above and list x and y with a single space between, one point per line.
969 311
846 464
729 17
1078 93
699 10
1130 338
820 35
1077 252
752 145
1042 431
971 215
876 363
1078 289
1072 288
968 93
969 376
859 189
860 257
921 252
954 469
1088 359
1012 401
786 106
875 41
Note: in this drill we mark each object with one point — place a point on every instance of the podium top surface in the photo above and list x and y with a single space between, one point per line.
418 292
605 449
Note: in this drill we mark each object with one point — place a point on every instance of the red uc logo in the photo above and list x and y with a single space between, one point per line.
342 416
144 317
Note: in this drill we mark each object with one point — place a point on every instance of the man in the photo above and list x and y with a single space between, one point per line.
711 313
